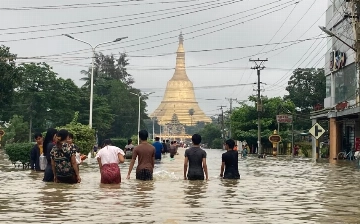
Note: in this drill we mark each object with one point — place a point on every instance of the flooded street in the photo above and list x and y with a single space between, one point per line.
270 191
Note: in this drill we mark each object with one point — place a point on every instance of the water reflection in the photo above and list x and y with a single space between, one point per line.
144 194
195 196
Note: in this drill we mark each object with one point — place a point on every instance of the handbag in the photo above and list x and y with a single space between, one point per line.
42 162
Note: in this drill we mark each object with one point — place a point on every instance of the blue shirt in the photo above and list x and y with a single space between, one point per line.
158 149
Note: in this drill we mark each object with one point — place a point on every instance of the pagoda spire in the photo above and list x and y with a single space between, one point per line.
180 73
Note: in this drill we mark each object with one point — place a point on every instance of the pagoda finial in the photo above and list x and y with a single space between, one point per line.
181 38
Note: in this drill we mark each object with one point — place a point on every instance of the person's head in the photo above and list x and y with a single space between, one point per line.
172 142
196 139
61 136
143 135
163 141
229 144
167 140
129 141
157 139
70 139
107 142
38 138
49 137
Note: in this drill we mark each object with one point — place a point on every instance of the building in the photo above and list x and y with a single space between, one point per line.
341 106
179 98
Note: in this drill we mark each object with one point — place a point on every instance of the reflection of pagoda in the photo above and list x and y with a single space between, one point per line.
179 96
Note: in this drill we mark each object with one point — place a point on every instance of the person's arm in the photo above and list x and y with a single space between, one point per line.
53 169
205 168
75 167
121 158
32 158
153 160
186 161
99 162
222 166
134 155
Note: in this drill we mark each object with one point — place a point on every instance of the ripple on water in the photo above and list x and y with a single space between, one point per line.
271 190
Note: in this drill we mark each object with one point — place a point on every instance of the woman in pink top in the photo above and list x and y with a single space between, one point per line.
108 158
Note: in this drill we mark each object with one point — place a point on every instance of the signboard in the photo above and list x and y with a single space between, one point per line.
284 118
317 131
357 144
275 138
2 133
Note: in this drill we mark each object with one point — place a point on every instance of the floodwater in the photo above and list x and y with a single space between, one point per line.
274 190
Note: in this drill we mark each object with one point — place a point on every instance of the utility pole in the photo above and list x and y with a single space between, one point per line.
355 14
231 101
259 66
222 122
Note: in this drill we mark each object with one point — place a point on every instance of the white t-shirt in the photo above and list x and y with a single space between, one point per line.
109 154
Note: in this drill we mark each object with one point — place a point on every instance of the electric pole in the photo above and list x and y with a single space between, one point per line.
259 66
222 122
231 101
355 14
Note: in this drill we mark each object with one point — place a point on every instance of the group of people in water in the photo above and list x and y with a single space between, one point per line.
59 158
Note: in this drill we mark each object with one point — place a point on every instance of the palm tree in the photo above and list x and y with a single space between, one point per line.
191 113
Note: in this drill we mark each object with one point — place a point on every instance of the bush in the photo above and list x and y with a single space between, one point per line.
305 150
217 143
19 152
119 142
84 137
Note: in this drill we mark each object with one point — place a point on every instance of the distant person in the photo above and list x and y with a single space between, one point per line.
145 153
49 142
158 148
164 147
195 157
168 145
172 149
230 160
108 159
63 160
129 148
79 157
37 158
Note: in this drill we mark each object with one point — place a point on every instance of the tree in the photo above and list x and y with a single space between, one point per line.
244 119
191 113
307 87
17 131
9 78
209 133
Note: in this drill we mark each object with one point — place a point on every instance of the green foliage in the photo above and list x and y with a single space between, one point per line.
19 152
17 132
306 87
305 149
84 137
9 78
119 142
209 134
244 120
217 143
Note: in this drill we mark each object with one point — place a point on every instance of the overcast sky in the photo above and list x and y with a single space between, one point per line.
153 26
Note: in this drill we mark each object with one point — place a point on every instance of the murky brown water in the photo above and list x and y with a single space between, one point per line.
270 191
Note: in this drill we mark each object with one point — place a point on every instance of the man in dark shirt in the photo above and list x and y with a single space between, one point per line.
230 162
164 147
196 158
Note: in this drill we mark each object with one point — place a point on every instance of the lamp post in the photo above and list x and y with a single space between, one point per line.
139 96
331 34
92 70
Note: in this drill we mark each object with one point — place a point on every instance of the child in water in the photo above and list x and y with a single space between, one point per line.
244 152
79 157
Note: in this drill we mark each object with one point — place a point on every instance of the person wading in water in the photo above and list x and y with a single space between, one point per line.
145 153
230 161
196 158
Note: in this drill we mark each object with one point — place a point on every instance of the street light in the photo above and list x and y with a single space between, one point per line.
92 70
331 34
139 95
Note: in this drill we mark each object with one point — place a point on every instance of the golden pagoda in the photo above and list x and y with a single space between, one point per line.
179 96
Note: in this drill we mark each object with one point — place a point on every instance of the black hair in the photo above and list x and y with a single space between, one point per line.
172 142
37 135
163 141
167 140
157 139
196 139
143 135
107 142
61 136
71 135
129 141
230 143
49 137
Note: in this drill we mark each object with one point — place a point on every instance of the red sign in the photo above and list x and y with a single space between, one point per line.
275 138
284 118
357 144
341 106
